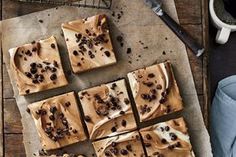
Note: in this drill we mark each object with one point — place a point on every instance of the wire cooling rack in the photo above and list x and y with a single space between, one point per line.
100 4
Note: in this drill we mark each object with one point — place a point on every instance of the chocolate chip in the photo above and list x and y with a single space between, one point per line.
78 36
78 64
153 91
47 63
51 117
167 128
123 151
64 121
75 53
108 154
61 115
178 144
74 131
53 46
33 70
122 112
145 96
148 136
147 144
33 65
151 75
53 109
53 77
113 129
113 144
114 151
41 21
173 136
119 38
123 123
113 86
35 81
102 110
159 86
87 118
149 84
129 147
48 130
39 65
107 53
163 141
171 147
126 101
28 110
163 100
128 50
55 64
27 91
67 104
34 49
28 74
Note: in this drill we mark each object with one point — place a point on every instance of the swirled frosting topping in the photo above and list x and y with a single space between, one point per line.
129 145
37 66
88 43
58 121
107 110
155 91
167 139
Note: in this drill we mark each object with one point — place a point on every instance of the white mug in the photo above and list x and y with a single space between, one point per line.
224 29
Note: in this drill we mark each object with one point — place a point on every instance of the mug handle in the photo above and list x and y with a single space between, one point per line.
222 35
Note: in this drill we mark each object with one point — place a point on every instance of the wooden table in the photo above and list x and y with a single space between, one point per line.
193 17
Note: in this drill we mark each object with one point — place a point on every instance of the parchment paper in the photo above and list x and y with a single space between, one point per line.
137 23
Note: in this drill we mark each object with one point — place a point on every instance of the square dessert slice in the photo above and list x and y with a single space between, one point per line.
88 43
37 66
128 144
167 139
58 121
107 110
155 91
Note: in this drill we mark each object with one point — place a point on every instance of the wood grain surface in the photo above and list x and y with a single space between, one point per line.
193 16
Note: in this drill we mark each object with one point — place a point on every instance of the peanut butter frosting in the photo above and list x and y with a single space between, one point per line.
88 43
155 91
107 110
37 66
167 139
128 144
58 121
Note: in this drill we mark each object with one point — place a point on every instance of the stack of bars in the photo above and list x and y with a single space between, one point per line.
107 109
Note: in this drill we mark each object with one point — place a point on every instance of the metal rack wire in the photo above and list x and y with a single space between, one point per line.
100 4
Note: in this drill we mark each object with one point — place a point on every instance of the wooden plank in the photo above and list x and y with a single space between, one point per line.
195 63
12 118
1 99
189 11
206 80
13 8
7 88
14 146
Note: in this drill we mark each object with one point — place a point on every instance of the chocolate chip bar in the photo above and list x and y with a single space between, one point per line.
37 66
107 110
167 139
155 91
58 121
88 43
123 145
